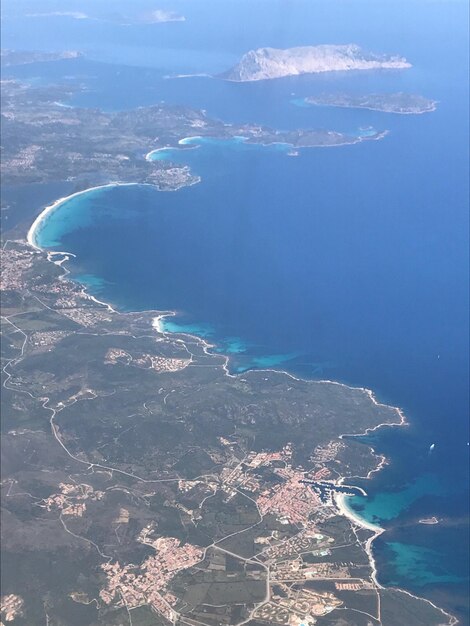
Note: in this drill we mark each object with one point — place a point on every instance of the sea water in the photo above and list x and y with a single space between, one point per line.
345 263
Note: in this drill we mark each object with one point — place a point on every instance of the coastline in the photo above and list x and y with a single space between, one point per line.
367 108
31 236
342 505
356 520
188 141
157 323
51 208
346 511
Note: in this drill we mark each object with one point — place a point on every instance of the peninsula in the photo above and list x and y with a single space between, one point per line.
268 63
24 57
403 103
46 141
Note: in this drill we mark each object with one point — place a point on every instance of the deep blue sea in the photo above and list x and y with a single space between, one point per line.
347 263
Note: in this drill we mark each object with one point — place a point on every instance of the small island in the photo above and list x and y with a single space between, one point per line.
269 63
402 103
429 520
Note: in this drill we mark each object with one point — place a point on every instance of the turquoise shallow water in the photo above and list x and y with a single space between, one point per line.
386 506
204 149
423 566
232 345
92 282
201 330
72 214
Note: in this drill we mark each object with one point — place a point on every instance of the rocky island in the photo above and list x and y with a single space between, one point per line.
268 63
403 103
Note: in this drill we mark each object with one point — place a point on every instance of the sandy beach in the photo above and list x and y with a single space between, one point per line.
345 509
47 211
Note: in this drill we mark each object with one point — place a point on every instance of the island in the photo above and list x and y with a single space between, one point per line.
269 63
403 103
429 520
